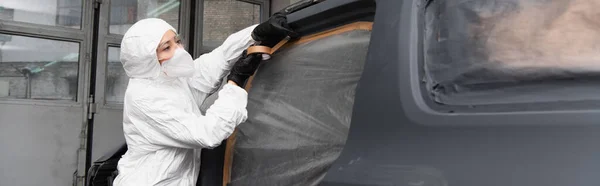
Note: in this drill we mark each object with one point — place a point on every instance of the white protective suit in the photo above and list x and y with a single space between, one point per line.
163 126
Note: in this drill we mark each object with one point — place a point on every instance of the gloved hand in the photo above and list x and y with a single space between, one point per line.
244 68
272 31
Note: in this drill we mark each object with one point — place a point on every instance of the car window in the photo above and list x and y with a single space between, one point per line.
514 51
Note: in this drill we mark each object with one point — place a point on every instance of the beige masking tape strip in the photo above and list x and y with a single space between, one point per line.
267 50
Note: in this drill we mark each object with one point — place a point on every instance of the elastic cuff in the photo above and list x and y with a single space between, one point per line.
235 95
236 89
231 104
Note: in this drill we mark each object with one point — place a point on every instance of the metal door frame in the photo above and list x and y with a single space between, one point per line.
82 36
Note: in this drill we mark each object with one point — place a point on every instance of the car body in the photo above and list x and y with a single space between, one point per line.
400 135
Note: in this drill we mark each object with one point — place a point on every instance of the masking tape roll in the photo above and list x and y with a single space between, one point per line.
259 50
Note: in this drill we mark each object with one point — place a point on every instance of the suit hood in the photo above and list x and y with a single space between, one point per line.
138 47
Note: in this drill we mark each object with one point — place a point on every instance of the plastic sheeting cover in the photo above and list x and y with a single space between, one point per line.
299 111
491 45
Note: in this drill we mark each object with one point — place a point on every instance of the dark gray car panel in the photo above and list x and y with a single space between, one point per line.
397 138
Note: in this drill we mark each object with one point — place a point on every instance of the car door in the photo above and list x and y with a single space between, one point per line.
300 101
411 127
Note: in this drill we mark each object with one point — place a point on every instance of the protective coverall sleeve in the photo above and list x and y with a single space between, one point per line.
212 67
170 126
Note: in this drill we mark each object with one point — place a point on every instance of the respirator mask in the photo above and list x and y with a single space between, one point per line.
180 65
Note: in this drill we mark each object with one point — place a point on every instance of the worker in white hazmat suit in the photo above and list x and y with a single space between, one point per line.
163 126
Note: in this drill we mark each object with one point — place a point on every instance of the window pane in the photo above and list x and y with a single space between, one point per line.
124 13
116 78
490 52
224 17
33 68
66 13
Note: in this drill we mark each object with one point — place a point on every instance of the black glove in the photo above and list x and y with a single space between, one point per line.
272 31
244 68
